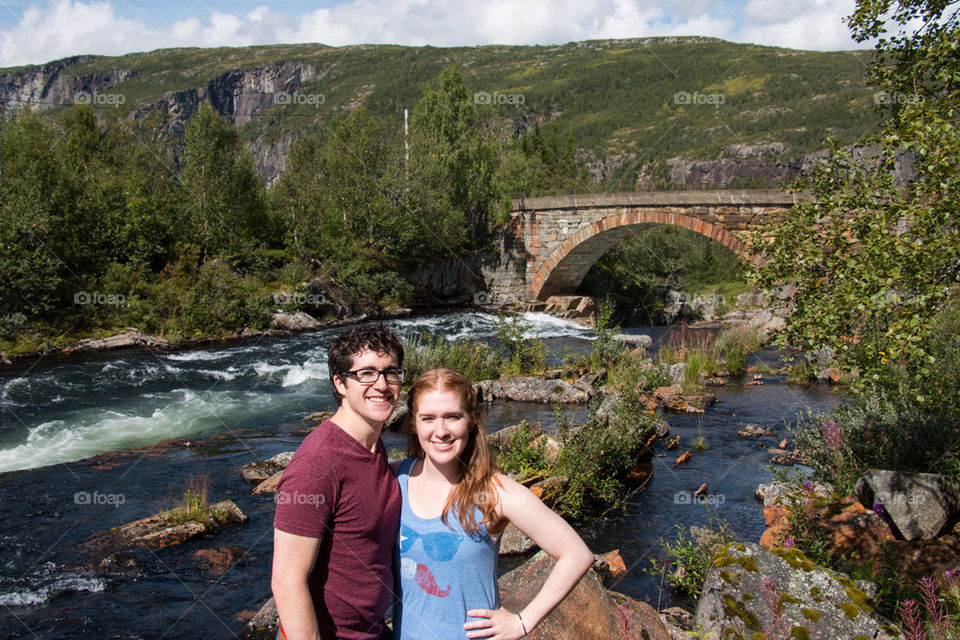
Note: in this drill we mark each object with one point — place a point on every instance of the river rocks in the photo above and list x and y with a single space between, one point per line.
777 493
514 542
609 565
534 390
579 308
127 339
673 399
262 469
830 375
264 624
589 612
215 562
781 594
753 431
166 529
677 621
269 485
299 321
920 505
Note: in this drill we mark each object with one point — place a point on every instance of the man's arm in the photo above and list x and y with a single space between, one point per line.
293 560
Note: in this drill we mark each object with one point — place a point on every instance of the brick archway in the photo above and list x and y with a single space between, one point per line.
566 267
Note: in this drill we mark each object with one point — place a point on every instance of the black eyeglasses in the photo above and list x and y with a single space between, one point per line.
370 376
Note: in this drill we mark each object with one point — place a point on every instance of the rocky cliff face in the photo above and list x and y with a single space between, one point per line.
237 95
47 86
754 166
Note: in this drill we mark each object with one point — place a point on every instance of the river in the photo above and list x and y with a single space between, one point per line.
215 409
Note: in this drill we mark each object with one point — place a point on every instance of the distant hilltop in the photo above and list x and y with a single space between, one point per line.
688 112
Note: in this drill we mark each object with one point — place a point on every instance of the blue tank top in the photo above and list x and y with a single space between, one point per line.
441 572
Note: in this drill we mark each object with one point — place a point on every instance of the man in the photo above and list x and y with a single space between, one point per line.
338 504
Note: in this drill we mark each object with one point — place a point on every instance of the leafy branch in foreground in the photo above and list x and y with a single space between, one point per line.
875 257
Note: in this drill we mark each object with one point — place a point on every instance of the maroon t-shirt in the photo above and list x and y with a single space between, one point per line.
338 491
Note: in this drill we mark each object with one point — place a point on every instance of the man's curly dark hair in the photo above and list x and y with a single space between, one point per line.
374 337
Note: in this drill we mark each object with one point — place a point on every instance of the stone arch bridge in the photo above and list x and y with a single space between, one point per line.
550 243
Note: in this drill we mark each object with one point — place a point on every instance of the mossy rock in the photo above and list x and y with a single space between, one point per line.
814 603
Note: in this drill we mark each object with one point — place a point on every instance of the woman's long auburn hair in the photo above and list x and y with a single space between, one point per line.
477 485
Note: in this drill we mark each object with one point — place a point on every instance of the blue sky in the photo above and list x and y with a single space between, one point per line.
36 32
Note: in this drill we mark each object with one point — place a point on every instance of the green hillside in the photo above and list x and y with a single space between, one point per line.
643 100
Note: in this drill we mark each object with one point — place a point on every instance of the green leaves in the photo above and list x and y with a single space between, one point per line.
875 257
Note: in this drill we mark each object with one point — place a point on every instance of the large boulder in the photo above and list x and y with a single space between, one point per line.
921 505
299 321
589 612
781 593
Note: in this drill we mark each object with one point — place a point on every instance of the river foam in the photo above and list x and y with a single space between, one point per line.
48 583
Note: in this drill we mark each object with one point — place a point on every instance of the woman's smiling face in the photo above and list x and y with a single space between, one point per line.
442 426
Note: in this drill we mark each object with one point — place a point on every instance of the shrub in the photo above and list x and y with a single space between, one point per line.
689 557
519 354
875 431
593 459
522 455
474 360
735 344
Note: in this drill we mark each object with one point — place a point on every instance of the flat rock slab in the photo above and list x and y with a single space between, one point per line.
164 530
127 339
534 390
783 594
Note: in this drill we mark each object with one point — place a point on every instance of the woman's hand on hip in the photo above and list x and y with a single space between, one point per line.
496 624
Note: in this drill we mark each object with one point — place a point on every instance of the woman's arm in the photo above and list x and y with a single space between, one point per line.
552 534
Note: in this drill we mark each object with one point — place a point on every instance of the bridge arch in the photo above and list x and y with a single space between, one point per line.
564 269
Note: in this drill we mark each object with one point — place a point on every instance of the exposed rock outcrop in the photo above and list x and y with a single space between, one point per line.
166 529
45 87
128 339
534 390
783 594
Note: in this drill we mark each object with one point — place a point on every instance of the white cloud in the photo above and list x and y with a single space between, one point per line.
68 27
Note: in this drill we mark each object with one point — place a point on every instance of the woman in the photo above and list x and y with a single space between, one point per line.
455 506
